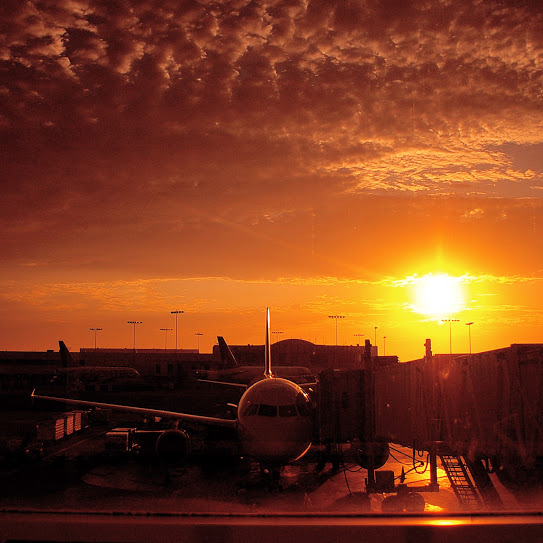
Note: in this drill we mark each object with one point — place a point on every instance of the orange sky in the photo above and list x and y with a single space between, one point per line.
315 157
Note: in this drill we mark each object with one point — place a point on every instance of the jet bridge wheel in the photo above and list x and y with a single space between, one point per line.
516 477
411 502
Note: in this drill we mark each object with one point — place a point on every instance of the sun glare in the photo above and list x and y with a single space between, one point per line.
438 296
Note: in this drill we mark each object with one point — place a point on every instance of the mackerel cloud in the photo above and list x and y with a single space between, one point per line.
108 104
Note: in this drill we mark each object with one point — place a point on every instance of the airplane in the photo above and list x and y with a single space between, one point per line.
78 378
232 372
66 356
273 422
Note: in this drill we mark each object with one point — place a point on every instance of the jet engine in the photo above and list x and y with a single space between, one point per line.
173 446
373 453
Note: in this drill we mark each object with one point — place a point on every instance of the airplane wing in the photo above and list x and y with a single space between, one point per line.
240 386
308 387
200 419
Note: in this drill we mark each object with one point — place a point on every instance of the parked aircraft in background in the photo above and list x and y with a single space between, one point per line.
273 422
232 372
66 357
80 378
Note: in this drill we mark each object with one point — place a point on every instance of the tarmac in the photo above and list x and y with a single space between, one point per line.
79 474
80 491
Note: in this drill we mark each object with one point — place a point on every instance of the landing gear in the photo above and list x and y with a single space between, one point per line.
332 454
274 484
272 478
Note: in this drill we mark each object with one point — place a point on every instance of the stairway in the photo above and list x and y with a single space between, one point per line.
484 484
461 483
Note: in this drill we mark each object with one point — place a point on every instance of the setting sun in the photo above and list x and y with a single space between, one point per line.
438 295
236 159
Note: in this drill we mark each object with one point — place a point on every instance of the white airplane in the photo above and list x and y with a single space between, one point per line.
274 420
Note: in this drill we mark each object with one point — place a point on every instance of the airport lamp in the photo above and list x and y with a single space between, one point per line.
134 324
177 312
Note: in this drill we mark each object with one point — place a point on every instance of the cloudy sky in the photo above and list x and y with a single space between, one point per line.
319 157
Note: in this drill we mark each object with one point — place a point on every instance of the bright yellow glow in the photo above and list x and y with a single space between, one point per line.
446 522
438 295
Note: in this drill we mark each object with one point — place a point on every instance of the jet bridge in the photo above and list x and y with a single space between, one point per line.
477 415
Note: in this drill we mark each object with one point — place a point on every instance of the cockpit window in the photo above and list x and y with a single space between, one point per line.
251 410
267 410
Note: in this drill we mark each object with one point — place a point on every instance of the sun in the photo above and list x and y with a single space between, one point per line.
438 295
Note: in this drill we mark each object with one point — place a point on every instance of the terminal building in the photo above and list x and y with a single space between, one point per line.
21 370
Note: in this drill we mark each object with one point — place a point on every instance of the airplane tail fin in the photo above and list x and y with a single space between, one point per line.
65 356
267 353
227 358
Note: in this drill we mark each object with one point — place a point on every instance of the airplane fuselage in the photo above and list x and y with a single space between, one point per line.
275 423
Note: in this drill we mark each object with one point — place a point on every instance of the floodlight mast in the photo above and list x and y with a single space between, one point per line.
468 324
166 340
450 321
336 317
94 330
176 312
134 324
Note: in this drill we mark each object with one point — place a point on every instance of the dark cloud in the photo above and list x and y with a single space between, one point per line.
123 116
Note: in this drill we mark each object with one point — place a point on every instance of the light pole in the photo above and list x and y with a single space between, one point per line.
94 330
384 346
375 336
277 335
134 324
468 324
450 321
336 317
198 334
166 340
176 313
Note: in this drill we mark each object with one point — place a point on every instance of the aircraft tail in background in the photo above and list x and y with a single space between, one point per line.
65 356
227 358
